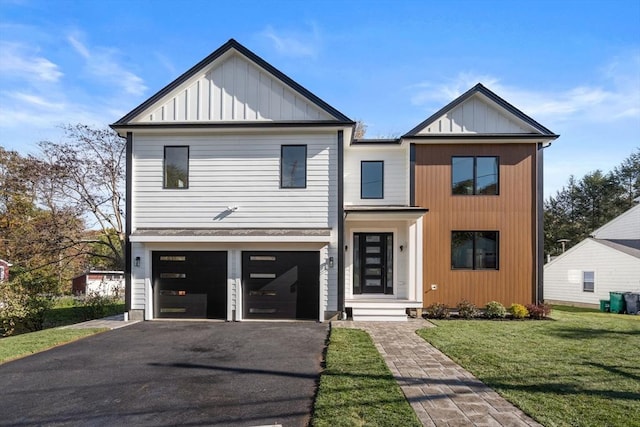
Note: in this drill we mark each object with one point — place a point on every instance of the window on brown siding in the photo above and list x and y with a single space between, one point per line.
474 175
176 167
474 250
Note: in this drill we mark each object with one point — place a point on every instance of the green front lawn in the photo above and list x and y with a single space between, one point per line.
580 369
26 344
356 387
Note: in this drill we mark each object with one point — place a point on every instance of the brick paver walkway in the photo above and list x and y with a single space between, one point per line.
441 392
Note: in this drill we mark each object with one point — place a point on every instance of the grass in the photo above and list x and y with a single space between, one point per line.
23 345
580 369
356 387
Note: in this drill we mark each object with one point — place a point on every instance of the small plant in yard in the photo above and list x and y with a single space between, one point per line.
467 310
97 306
538 311
495 310
437 310
518 311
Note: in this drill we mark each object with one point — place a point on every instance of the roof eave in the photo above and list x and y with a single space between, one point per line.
479 88
231 44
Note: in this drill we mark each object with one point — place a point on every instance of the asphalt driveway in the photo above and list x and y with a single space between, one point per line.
170 373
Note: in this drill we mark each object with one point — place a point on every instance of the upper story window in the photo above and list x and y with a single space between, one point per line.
474 250
176 167
588 281
372 180
475 175
293 166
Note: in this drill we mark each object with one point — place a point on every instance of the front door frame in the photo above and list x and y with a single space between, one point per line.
358 288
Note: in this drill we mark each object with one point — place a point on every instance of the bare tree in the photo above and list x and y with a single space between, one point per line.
360 129
86 173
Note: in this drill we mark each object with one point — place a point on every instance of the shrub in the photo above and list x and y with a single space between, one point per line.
467 310
437 311
538 311
495 310
23 306
97 306
518 311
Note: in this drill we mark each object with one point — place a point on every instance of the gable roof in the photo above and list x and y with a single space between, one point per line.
624 226
331 115
518 123
629 247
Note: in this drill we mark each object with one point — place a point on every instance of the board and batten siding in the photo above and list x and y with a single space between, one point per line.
474 116
613 271
396 167
235 170
511 213
233 89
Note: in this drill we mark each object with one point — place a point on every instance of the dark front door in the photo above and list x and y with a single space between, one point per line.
190 284
281 285
373 263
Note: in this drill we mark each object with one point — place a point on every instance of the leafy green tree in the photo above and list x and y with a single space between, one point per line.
584 205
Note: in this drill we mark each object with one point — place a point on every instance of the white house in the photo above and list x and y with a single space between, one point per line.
607 261
100 282
249 198
233 195
5 266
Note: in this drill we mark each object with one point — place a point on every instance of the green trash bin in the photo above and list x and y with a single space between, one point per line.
604 305
616 302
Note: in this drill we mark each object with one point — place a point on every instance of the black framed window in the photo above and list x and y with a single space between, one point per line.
588 281
176 167
293 166
372 180
474 250
475 175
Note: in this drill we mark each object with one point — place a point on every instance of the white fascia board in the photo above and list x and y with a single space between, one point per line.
230 239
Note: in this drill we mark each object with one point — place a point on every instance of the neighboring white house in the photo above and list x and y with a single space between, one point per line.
4 270
608 261
100 282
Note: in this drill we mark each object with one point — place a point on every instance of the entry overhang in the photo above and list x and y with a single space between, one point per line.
389 213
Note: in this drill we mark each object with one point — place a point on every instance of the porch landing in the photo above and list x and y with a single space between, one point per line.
380 309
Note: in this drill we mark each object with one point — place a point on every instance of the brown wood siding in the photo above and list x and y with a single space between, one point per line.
512 213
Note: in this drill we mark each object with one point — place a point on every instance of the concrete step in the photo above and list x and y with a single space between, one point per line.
379 314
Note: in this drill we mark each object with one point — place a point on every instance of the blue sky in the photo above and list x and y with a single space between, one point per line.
574 66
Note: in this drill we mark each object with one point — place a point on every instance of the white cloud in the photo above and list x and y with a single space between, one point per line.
103 63
22 62
295 43
36 101
616 96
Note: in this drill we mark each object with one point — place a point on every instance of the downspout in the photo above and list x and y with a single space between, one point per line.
340 263
128 221
539 295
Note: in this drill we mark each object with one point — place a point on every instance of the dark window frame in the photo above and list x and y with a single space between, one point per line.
306 151
474 254
165 185
475 175
362 196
